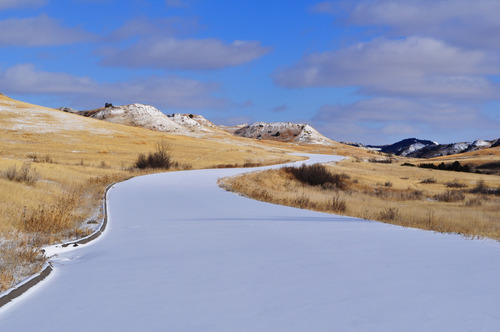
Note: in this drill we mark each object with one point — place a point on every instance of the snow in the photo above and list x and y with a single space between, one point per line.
139 115
40 120
182 254
481 144
286 131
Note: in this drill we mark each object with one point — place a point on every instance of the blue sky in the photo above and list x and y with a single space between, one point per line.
366 71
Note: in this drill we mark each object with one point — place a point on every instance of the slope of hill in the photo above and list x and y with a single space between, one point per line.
283 131
451 149
407 146
69 160
195 123
137 115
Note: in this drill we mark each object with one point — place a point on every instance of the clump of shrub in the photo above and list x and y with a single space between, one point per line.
25 174
475 201
159 159
482 188
381 160
338 205
455 184
318 175
408 164
429 180
39 159
390 214
450 196
455 166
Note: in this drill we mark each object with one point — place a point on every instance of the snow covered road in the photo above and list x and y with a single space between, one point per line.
181 254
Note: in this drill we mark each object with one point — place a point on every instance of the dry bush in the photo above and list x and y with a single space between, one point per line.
429 180
450 196
18 261
38 159
475 201
482 188
390 214
25 174
369 199
318 175
338 204
159 159
455 184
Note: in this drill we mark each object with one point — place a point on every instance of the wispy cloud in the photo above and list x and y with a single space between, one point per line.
169 92
280 108
413 66
39 31
155 28
381 120
11 4
184 54
460 22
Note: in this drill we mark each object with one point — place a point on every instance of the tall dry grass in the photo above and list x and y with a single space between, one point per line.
408 202
76 158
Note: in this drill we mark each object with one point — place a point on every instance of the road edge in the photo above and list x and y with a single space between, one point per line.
32 281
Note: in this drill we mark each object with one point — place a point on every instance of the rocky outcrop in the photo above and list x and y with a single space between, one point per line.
138 115
195 123
283 131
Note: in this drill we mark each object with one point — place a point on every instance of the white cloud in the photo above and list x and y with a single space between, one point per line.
10 4
280 108
164 27
413 66
39 31
459 22
186 54
169 92
383 120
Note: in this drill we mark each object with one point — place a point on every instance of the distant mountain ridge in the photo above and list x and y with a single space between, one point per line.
417 148
454 148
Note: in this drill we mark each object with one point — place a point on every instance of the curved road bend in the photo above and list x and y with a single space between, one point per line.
181 254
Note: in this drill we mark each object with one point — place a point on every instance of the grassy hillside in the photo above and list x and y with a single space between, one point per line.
54 167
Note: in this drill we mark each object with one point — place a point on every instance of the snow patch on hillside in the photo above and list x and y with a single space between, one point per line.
194 122
137 115
283 131
41 120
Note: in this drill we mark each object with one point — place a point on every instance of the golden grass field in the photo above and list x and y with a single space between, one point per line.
72 159
436 200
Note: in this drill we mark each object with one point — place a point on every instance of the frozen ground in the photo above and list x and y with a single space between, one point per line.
181 254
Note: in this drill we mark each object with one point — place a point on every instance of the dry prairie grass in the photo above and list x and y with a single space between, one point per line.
76 158
409 201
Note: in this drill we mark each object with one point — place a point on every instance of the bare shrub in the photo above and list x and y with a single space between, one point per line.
429 180
455 184
390 214
475 201
10 173
450 196
25 174
38 159
338 205
411 195
481 188
302 201
317 175
159 159
381 161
